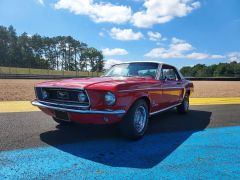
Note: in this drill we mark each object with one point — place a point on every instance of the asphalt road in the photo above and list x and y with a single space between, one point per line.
32 145
31 129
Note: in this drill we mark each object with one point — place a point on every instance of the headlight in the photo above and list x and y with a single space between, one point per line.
82 97
110 98
44 94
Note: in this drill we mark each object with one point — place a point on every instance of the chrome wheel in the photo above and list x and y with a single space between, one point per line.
140 118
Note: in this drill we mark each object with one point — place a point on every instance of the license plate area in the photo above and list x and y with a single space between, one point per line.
61 115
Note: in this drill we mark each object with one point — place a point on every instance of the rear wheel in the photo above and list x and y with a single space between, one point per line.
62 122
135 122
184 106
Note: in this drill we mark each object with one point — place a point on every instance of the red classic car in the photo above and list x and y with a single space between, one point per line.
127 94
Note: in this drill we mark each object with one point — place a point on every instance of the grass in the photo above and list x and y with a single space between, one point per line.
30 71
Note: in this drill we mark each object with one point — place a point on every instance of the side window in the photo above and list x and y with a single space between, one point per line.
169 73
148 72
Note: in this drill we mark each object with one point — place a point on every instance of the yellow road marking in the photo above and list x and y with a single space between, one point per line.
17 106
214 101
26 106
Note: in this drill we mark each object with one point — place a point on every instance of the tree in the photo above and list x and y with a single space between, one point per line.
231 69
61 52
95 59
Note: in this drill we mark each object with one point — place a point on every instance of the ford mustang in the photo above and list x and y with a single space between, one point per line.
127 94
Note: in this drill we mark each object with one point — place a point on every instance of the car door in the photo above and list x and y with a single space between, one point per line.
171 85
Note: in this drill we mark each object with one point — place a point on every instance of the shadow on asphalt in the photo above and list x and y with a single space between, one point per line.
103 144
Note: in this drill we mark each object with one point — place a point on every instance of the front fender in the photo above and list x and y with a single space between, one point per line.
126 99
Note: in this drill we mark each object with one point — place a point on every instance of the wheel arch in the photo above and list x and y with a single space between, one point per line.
146 99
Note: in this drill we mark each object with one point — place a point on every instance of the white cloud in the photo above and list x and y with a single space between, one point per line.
154 11
180 49
162 11
159 44
217 56
176 40
125 34
101 34
233 56
41 2
180 46
175 50
195 55
164 39
98 12
110 62
114 52
154 36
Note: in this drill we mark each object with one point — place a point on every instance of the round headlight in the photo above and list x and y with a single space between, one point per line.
44 94
110 98
82 97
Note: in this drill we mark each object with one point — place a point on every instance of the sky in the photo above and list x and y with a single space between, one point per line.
178 32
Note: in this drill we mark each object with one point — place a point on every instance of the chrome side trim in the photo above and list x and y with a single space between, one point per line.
170 107
150 89
115 112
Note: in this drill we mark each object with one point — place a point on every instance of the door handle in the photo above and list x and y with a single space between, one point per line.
178 83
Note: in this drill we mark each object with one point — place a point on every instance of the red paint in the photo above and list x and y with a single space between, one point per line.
161 94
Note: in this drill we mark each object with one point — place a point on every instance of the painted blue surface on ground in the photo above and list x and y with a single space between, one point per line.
212 153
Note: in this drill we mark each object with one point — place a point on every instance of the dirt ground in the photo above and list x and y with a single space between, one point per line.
21 90
216 89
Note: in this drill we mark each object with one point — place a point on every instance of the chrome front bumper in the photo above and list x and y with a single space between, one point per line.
50 106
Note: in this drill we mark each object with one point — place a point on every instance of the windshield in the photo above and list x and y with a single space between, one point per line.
133 69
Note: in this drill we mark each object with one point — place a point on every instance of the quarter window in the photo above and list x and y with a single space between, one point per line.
169 73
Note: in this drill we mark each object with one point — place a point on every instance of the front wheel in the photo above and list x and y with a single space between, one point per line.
135 122
184 106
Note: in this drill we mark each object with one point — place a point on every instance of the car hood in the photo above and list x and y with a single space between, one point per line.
102 83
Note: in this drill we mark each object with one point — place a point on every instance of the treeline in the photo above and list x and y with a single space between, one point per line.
59 53
231 69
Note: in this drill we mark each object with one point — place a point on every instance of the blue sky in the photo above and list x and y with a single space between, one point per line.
179 32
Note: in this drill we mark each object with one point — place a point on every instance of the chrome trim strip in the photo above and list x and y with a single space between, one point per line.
159 72
60 87
115 112
180 74
150 89
170 107
60 104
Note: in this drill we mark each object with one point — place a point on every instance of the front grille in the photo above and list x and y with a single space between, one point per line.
62 95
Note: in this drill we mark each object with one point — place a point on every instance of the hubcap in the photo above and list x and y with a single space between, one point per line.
140 118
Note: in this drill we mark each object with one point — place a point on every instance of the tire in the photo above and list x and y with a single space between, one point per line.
184 106
61 122
134 123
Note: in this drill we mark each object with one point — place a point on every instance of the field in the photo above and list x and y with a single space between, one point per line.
20 90
30 71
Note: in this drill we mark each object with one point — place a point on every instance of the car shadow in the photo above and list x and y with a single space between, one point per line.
103 144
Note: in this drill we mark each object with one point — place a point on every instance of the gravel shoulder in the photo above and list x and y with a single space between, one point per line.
23 90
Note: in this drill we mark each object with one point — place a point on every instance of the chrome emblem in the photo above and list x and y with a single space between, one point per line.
62 95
